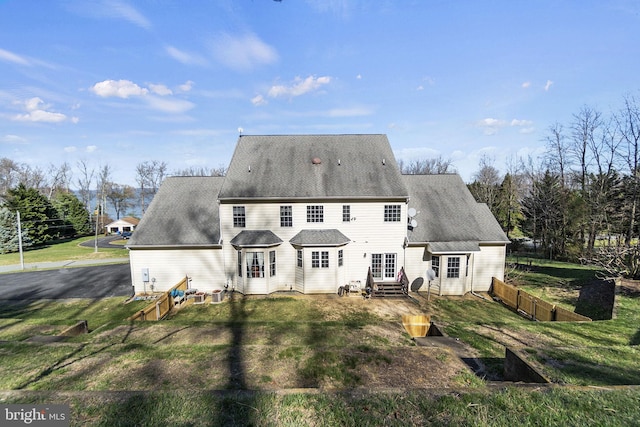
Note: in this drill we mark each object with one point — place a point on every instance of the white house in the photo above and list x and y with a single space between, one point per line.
127 223
310 213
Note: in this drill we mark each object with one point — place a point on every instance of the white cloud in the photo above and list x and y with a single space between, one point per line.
420 87
548 85
186 86
36 112
243 52
490 126
359 77
299 86
169 105
161 90
122 10
156 96
90 148
516 122
70 149
185 57
13 139
5 55
526 85
258 100
120 88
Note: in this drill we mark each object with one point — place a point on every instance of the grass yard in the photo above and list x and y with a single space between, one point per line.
304 360
69 250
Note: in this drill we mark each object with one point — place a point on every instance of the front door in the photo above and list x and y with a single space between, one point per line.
383 266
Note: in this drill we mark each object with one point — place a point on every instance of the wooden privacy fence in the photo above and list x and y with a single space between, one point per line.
532 306
161 306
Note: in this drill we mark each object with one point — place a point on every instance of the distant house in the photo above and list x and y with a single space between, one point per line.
310 213
124 224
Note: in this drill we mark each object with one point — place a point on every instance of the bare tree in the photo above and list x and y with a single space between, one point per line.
120 197
438 165
556 158
60 176
149 176
586 124
102 185
9 171
84 183
486 183
201 171
628 121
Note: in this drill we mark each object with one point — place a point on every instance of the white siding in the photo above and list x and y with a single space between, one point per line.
417 262
489 262
169 266
367 231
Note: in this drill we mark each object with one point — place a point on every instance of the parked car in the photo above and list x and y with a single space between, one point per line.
126 234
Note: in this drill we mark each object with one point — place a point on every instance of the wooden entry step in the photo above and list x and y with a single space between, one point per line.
389 289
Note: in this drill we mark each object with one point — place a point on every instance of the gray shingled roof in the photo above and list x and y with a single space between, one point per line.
281 167
330 237
184 212
448 212
255 238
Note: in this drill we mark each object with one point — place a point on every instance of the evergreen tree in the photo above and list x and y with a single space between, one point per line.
9 238
74 215
36 213
508 210
546 215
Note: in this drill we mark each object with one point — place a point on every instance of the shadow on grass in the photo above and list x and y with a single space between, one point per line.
486 368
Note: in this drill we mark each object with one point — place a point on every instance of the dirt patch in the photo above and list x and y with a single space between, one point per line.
630 288
369 349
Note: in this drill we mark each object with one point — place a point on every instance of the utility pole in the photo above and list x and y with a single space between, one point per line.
97 216
20 240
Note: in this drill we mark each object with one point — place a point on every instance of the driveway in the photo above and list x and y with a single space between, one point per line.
103 242
85 282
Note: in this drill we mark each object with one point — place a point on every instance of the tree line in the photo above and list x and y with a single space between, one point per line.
49 210
579 200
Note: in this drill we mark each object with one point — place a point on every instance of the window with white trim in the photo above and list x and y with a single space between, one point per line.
315 213
272 263
453 267
392 213
255 264
239 218
286 216
299 257
320 259
340 258
435 265
346 213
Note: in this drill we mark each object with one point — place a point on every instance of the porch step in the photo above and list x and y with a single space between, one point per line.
389 289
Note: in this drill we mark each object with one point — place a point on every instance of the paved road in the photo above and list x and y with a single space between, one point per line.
103 242
83 282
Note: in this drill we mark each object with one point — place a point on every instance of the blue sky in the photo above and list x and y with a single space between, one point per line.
119 82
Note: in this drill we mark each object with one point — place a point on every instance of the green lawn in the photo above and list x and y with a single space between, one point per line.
169 368
69 250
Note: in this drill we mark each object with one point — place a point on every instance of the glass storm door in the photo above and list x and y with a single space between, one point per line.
383 266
